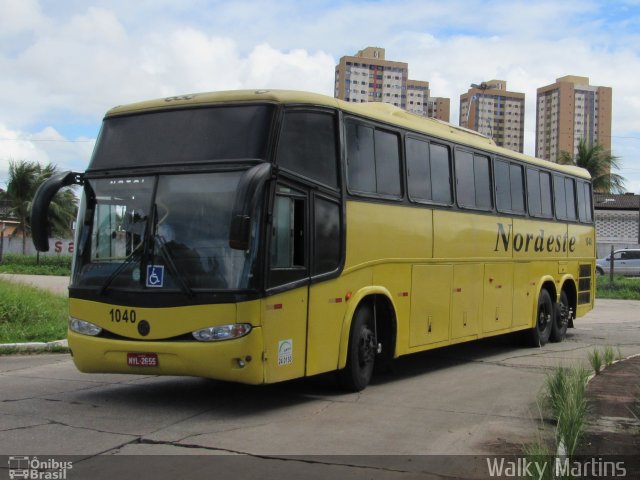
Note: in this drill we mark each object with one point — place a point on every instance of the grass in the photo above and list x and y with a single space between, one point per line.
596 360
541 458
622 288
565 395
609 356
27 264
28 314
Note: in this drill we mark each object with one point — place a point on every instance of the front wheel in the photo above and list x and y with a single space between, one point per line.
361 354
561 318
539 334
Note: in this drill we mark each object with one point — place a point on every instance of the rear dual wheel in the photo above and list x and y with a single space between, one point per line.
562 318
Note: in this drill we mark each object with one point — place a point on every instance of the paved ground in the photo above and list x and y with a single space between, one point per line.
59 285
476 399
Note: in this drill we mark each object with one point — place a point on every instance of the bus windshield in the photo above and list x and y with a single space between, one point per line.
176 239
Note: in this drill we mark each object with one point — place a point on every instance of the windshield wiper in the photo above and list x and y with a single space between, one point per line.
168 260
135 253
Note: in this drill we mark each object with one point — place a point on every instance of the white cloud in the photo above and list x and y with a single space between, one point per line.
66 63
45 146
267 67
19 16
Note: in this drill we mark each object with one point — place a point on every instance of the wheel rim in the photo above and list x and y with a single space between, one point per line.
563 318
366 348
544 317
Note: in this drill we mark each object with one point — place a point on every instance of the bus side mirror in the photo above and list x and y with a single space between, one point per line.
40 206
247 195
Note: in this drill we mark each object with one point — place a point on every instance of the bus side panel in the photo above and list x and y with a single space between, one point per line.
466 299
538 240
470 236
381 233
430 304
498 296
525 281
284 321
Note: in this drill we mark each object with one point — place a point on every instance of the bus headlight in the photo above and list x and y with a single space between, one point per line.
85 328
222 332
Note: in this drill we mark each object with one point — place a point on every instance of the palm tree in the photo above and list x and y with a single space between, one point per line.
24 179
599 162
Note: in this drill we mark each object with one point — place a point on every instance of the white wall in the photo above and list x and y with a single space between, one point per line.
57 246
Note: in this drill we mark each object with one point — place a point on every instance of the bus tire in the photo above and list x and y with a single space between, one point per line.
362 352
539 334
561 318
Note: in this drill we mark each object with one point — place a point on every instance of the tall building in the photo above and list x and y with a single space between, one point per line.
490 109
368 77
568 111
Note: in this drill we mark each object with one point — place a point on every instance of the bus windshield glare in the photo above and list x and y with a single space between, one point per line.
178 239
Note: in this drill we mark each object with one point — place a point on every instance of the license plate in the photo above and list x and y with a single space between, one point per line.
142 359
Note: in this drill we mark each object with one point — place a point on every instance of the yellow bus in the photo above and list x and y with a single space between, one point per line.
261 236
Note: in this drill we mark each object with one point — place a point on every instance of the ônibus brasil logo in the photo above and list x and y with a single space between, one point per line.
23 467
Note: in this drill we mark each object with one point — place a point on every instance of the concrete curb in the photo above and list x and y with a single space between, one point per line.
34 346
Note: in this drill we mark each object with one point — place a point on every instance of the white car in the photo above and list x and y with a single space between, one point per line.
625 262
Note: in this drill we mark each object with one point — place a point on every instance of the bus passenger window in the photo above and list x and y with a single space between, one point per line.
287 242
308 146
533 193
441 174
473 180
517 188
571 198
539 193
428 171
387 163
503 186
373 160
560 197
482 180
418 169
360 158
509 187
545 194
584 202
327 238
464 179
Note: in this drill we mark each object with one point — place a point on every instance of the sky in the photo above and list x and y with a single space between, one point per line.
64 63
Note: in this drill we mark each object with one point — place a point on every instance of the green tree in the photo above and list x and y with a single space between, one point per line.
599 162
24 179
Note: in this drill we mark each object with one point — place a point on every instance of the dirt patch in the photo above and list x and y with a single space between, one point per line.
613 425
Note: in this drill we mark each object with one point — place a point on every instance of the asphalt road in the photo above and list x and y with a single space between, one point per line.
475 399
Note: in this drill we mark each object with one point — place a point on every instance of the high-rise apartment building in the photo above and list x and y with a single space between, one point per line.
368 77
568 111
493 111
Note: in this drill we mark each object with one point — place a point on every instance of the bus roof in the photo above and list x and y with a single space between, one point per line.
379 111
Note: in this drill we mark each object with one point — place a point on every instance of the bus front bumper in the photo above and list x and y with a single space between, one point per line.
237 360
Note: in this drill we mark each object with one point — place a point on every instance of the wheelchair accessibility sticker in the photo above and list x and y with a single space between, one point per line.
155 276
